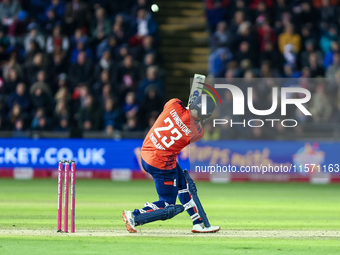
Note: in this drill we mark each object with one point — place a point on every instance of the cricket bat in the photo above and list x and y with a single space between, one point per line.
196 87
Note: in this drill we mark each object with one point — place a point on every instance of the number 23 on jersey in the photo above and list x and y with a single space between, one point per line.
174 131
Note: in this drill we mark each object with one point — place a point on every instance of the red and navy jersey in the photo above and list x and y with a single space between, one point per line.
173 130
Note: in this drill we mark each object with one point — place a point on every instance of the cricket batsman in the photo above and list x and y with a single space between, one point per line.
175 128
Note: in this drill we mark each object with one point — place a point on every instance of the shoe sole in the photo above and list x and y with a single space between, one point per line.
127 224
202 232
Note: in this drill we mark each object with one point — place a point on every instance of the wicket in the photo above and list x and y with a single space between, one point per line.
66 163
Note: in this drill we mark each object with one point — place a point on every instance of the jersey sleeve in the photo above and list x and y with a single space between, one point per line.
197 132
171 102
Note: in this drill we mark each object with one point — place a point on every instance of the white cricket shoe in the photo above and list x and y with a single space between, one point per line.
200 228
129 220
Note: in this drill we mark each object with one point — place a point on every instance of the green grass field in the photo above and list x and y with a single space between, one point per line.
255 218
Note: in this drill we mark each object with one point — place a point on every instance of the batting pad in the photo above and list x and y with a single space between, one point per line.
161 214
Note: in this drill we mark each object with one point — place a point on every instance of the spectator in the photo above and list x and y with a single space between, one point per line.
43 124
19 97
63 125
41 77
103 80
4 44
290 54
267 71
100 27
236 22
12 81
146 47
57 7
308 34
40 95
19 27
34 35
109 44
152 119
218 61
88 117
305 14
327 12
239 6
106 64
112 115
253 4
271 55
128 75
131 125
12 64
9 10
130 106
216 11
151 80
289 37
120 21
119 34
37 115
16 114
328 36
319 3
61 111
281 6
310 48
149 60
57 71
39 64
266 35
142 26
63 95
79 95
245 33
63 81
123 51
140 4
245 53
329 55
81 71
76 15
57 39
221 38
305 73
51 22
152 105
18 127
321 108
315 69
34 49
334 67
82 46
106 93
78 34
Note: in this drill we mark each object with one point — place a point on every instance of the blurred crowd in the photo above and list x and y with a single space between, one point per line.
91 64
292 39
